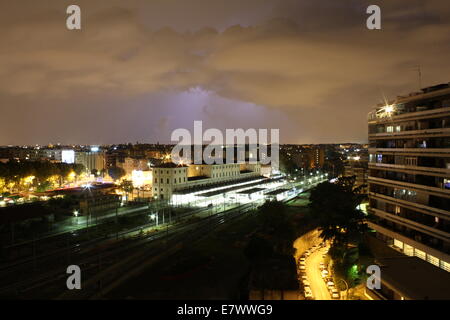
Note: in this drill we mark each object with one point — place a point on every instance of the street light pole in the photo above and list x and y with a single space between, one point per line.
346 286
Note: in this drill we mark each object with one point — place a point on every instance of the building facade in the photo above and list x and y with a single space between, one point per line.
357 165
170 177
91 160
409 174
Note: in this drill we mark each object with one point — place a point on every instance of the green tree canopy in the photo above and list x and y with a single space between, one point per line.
334 205
116 173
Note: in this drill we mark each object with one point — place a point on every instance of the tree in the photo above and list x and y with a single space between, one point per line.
94 172
276 224
287 165
127 186
258 249
334 205
334 162
78 169
116 173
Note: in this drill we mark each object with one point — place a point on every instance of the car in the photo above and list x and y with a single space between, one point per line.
322 266
304 277
330 284
302 263
306 283
308 293
324 273
302 267
302 259
335 294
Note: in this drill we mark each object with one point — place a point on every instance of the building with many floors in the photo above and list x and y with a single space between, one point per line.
409 174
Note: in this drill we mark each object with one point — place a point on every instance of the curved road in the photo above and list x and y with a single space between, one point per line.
318 287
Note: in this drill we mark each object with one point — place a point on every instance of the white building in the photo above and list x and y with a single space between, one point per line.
170 177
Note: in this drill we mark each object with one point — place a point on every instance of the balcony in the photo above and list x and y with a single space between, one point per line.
412 238
402 115
412 186
425 133
430 171
411 204
432 152
421 226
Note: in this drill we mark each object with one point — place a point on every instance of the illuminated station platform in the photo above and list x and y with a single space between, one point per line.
249 190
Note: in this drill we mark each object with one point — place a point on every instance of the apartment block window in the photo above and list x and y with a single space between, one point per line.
398 128
408 250
390 129
168 181
379 158
446 183
433 260
445 265
411 161
398 244
420 254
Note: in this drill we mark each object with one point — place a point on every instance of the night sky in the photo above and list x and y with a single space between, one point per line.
139 69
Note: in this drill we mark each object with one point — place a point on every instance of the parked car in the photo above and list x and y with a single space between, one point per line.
302 267
306 283
302 259
335 294
308 293
330 284
324 273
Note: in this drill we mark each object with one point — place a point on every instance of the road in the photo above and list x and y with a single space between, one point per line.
317 284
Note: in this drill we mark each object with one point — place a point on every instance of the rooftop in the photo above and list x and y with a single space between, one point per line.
250 191
415 278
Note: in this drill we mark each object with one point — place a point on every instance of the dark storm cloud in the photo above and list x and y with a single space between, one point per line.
143 68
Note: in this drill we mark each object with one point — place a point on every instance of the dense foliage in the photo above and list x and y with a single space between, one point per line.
17 175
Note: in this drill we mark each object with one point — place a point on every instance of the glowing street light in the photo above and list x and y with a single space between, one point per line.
386 111
154 217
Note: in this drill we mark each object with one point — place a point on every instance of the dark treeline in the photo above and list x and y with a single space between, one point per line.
14 171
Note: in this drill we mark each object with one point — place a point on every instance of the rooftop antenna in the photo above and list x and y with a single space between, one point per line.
419 73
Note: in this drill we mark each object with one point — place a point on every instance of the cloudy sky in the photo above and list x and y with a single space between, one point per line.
139 69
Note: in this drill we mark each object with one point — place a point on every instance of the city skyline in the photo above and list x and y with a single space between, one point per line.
139 70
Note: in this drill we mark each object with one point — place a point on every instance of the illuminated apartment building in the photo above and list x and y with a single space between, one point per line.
409 174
